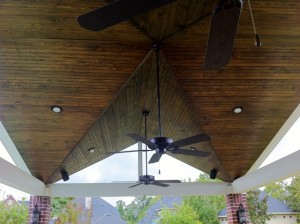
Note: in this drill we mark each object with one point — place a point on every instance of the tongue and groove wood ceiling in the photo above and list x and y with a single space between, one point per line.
103 80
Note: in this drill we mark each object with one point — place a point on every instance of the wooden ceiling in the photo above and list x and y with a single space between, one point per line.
103 80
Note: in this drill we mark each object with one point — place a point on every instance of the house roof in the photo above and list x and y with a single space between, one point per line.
164 202
102 211
275 206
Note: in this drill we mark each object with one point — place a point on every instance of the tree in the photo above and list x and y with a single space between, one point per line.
181 214
293 195
276 190
59 208
67 211
135 211
206 207
13 214
257 208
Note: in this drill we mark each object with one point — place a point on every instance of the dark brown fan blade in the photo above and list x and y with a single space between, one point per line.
169 181
129 151
155 157
188 141
189 152
158 183
135 185
117 12
143 140
222 32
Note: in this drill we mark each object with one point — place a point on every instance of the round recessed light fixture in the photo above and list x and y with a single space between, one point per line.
92 150
237 110
56 109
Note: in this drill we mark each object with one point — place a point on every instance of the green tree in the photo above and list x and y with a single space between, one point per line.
257 208
13 214
207 207
66 211
181 214
276 190
293 195
135 211
59 207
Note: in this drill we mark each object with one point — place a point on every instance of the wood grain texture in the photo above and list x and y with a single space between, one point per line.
103 80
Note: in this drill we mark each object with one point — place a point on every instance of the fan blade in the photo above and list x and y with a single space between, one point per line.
157 183
222 32
135 185
169 181
155 157
129 151
189 152
188 141
143 140
117 12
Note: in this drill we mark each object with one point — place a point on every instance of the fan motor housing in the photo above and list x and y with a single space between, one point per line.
161 143
147 179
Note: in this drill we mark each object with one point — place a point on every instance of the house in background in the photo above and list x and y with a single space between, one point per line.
152 213
281 212
10 200
100 211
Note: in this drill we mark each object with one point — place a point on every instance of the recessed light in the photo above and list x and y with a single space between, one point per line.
92 150
56 109
237 110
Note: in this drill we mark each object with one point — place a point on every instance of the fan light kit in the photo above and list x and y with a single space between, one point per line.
56 109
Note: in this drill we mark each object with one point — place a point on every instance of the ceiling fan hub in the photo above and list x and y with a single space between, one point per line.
161 143
146 179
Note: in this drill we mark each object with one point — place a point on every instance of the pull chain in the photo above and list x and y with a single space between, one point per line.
256 37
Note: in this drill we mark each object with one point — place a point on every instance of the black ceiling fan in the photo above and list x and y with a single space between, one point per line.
162 144
149 179
224 22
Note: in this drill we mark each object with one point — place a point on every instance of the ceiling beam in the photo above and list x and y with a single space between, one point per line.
277 138
12 150
15 177
121 189
282 169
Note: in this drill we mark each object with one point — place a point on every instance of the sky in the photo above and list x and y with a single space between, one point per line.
124 167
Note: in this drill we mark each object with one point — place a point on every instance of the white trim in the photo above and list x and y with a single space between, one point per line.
19 179
282 169
12 150
279 170
121 189
277 138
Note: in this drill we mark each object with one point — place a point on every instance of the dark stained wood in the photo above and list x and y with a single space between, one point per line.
163 23
108 133
103 80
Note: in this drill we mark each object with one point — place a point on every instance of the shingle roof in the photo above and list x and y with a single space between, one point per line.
102 212
165 202
274 206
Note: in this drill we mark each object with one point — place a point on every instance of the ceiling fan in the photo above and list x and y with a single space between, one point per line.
161 144
225 18
149 179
